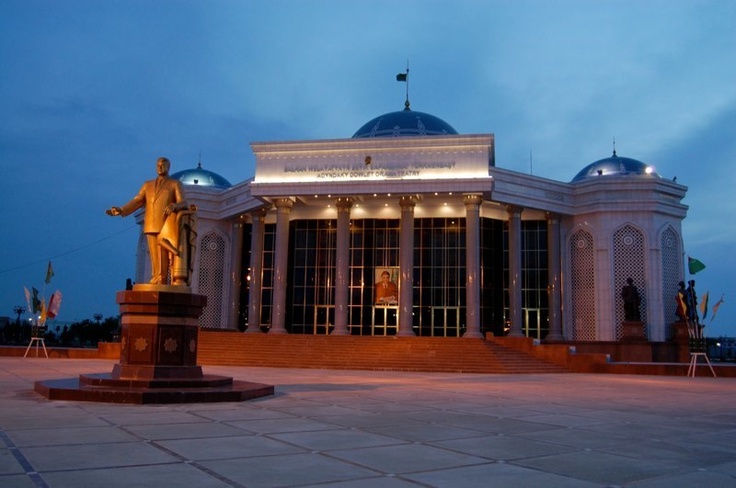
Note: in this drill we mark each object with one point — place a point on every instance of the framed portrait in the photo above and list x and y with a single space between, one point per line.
386 288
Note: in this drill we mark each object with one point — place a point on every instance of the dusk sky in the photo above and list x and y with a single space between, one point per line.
93 92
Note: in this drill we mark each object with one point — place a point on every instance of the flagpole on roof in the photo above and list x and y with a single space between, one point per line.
406 103
405 78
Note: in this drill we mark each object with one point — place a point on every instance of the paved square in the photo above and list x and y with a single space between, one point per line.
376 429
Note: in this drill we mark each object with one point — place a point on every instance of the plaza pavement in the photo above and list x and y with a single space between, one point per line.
326 428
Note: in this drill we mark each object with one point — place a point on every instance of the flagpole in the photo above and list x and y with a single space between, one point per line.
406 104
43 294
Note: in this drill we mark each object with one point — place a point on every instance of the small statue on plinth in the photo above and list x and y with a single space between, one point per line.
632 301
169 224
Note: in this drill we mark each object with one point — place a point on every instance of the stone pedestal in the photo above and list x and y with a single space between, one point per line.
158 356
682 339
159 336
633 331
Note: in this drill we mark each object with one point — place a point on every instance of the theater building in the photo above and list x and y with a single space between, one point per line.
408 228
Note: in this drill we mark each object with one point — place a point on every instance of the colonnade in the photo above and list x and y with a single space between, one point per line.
407 203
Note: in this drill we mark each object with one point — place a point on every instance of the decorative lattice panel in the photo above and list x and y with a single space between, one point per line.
212 279
628 262
671 262
582 286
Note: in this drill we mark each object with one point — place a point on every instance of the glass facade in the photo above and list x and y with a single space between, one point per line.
534 278
493 279
439 294
439 277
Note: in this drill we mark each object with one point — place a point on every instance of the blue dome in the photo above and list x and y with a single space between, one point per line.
201 177
615 166
405 123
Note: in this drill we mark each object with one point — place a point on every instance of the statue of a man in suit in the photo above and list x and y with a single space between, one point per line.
162 197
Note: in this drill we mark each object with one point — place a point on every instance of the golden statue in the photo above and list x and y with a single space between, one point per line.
169 224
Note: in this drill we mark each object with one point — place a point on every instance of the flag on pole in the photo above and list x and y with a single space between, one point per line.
36 301
694 266
42 319
715 308
704 306
28 298
681 305
49 273
54 304
401 76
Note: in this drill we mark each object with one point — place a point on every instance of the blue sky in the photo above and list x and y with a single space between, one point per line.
92 92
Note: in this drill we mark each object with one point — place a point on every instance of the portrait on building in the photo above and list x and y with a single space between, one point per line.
386 290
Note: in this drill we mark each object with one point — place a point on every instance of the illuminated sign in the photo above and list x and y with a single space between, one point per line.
366 171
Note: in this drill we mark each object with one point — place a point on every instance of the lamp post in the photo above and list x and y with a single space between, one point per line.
19 310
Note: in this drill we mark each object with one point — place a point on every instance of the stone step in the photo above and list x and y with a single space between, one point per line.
431 354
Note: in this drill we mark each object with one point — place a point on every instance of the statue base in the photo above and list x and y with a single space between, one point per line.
633 331
165 288
158 357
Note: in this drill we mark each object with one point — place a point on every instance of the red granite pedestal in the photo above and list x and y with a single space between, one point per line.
158 357
633 331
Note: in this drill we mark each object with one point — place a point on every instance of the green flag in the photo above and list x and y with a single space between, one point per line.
36 301
693 265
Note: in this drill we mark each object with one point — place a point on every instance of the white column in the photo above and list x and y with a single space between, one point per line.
281 260
406 266
515 315
554 273
342 266
472 264
256 270
236 253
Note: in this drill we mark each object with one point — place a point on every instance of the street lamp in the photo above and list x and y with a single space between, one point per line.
19 309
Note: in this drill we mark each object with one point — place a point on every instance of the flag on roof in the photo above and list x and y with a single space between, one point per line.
694 266
401 76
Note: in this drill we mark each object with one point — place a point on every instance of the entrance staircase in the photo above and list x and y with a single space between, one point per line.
430 354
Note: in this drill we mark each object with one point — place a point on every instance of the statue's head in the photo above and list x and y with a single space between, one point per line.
162 166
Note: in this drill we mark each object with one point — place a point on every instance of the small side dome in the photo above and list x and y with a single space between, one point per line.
201 177
615 166
405 123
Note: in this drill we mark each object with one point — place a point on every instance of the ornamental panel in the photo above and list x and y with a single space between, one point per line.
582 286
212 279
671 260
628 262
